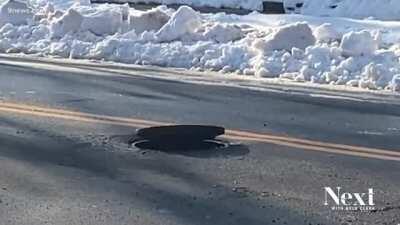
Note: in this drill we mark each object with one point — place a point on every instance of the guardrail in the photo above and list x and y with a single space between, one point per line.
268 7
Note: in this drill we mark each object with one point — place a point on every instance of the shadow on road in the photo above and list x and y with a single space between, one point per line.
160 182
222 149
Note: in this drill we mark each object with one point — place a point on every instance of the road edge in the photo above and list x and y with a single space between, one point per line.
368 101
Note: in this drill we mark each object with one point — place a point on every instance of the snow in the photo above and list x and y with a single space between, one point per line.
378 9
103 22
358 44
297 35
223 33
69 22
327 33
184 21
395 83
151 20
244 4
359 9
332 51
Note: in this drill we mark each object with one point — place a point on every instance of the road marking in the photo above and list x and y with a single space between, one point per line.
237 135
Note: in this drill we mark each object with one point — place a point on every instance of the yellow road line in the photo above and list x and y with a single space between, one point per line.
312 143
238 135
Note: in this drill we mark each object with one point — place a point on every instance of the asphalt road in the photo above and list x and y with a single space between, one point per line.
61 167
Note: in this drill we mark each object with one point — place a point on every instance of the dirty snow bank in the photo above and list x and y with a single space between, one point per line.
302 52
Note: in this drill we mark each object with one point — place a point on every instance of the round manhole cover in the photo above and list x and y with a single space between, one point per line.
179 137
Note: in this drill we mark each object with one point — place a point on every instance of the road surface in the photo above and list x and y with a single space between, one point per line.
64 157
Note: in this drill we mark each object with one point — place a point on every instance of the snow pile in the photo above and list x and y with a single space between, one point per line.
358 44
378 9
223 33
103 22
184 21
299 51
395 83
327 33
70 22
298 35
58 4
151 20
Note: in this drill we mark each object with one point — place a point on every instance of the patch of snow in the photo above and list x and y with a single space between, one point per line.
395 83
58 4
184 21
377 9
327 33
103 22
298 35
69 22
151 20
358 44
223 33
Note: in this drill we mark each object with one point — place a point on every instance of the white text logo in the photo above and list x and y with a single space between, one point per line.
342 200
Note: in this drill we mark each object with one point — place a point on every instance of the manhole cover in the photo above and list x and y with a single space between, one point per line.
179 137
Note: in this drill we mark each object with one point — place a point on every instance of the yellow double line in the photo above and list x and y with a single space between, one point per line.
237 135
